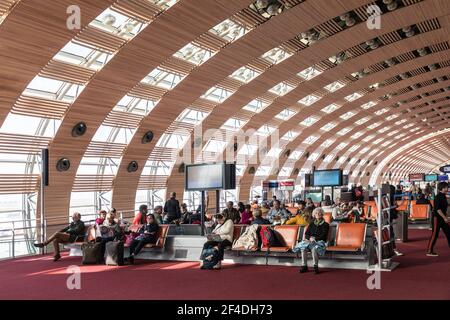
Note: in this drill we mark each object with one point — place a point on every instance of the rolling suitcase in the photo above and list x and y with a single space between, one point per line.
114 253
92 253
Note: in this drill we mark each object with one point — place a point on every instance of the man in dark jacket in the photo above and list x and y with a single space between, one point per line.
172 209
231 213
258 219
73 232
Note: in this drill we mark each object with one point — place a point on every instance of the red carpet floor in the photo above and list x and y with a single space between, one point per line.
418 277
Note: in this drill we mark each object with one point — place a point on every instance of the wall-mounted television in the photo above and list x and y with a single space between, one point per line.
431 177
327 178
214 176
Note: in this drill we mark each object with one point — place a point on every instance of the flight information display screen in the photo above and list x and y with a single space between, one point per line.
327 178
204 177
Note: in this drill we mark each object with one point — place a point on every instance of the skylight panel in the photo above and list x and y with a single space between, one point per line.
362 121
285 171
368 138
265 130
214 146
245 74
390 134
327 143
378 141
217 94
263 171
383 129
329 158
229 30
400 121
330 108
328 126
191 116
193 54
311 139
314 156
342 145
334 86
391 117
353 97
233 124
371 153
274 152
374 125
309 121
285 114
276 55
295 155
281 89
380 112
368 105
408 125
343 131
162 79
309 100
364 150
354 147
356 135
256 105
309 73
347 115
290 135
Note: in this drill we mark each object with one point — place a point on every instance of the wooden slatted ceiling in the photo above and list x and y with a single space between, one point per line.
90 183
18 183
230 84
100 40
405 57
177 66
203 105
162 154
147 91
180 127
105 149
22 144
122 119
152 182
39 107
249 18
140 10
6 5
63 71
210 42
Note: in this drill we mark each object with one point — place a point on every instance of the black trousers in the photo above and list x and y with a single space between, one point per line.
137 245
221 245
438 223
103 242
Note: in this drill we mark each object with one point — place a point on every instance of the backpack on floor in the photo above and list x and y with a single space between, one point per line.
114 253
269 237
92 253
249 239
210 258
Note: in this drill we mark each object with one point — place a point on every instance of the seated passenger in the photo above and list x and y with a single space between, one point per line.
316 236
148 234
73 232
158 214
141 216
310 203
422 200
277 215
110 230
247 216
341 213
264 209
303 218
101 217
327 202
231 213
257 218
224 228
185 214
241 207
357 212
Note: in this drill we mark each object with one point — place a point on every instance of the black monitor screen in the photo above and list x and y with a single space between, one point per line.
327 178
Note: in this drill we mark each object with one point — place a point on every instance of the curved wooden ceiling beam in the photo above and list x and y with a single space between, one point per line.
168 33
323 50
31 34
347 107
271 34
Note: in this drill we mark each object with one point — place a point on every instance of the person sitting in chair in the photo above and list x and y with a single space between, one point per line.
315 240
110 230
73 232
148 235
224 229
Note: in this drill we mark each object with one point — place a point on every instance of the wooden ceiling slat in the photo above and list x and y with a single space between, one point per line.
177 66
62 71
140 10
210 42
39 107
122 119
147 91
99 40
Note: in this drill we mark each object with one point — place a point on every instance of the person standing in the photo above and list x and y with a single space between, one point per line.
440 219
172 209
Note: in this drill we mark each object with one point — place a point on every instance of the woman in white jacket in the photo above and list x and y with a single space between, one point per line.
224 229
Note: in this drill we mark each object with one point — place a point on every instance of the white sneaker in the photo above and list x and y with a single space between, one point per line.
397 253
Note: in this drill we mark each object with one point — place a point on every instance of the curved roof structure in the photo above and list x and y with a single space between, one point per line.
279 86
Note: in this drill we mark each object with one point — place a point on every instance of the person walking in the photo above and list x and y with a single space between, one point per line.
440 219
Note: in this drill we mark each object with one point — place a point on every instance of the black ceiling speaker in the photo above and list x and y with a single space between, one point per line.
63 164
375 163
348 160
79 129
307 155
251 170
235 146
368 174
324 156
337 158
133 166
350 173
147 137
287 153
181 168
277 171
296 171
